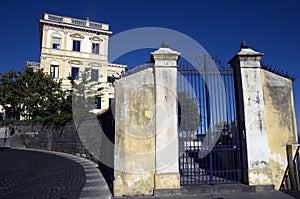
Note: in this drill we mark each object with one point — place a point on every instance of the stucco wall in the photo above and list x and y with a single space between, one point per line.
259 172
134 164
280 121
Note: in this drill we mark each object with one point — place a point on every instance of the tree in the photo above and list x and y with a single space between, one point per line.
189 116
42 96
32 94
10 94
84 93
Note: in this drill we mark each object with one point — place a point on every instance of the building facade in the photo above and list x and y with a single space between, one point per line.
71 46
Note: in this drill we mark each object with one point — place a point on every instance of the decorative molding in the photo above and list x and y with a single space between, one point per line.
46 28
77 36
94 64
75 62
56 34
95 38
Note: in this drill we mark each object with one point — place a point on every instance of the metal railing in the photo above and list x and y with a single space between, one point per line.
291 178
131 70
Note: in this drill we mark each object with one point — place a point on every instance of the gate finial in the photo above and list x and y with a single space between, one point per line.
164 44
244 44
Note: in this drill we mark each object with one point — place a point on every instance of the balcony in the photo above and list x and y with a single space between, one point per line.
32 64
77 22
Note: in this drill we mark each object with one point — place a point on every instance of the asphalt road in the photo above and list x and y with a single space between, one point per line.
41 174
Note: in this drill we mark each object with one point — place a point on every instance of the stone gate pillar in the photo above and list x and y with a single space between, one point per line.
146 128
252 115
166 127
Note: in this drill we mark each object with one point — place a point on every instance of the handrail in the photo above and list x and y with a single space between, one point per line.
291 178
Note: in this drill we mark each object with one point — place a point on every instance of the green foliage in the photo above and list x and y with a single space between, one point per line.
10 93
59 119
33 95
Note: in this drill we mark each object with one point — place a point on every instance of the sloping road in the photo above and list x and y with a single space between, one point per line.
39 174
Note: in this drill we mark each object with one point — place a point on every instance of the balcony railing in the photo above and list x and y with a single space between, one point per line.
78 22
55 18
95 25
32 64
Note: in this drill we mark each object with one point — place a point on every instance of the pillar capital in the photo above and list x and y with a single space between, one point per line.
165 57
246 58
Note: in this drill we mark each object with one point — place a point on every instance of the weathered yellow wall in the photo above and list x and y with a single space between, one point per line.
135 135
280 121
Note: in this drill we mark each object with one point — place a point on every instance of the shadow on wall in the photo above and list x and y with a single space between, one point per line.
107 123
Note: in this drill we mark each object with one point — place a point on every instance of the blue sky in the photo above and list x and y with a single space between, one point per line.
271 27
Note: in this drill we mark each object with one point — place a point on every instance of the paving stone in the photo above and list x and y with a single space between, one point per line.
43 174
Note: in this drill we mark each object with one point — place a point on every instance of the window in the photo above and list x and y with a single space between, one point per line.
76 45
54 71
110 79
98 103
75 73
95 48
94 75
56 43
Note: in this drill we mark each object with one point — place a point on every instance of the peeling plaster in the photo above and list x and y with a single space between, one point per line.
259 164
277 158
259 177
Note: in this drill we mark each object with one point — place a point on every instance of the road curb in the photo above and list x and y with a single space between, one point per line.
95 186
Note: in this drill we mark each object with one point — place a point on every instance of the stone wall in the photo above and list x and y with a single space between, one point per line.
85 140
280 121
135 135
48 137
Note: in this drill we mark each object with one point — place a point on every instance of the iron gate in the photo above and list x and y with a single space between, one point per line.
209 141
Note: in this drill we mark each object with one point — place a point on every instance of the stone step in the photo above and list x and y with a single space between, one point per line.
214 189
